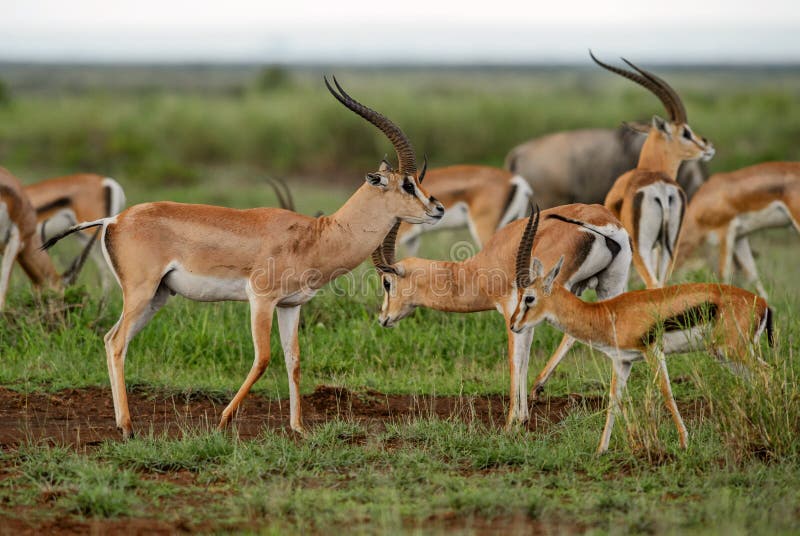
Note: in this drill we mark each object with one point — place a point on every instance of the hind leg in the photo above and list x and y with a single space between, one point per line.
745 261
619 377
669 399
139 306
9 255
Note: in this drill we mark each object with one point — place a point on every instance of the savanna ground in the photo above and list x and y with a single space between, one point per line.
406 425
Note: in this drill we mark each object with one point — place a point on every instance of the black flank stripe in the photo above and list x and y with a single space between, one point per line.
61 202
700 314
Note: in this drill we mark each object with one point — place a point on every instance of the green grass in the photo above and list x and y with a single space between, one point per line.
427 475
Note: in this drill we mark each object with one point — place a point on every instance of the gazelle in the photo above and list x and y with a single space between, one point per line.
731 206
598 254
647 200
273 258
481 198
656 322
63 202
19 239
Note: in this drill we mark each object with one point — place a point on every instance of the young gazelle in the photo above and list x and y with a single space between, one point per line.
726 320
731 206
598 255
19 239
273 258
63 202
481 198
647 200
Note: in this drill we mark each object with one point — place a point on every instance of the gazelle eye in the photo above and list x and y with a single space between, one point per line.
687 134
408 187
387 285
529 300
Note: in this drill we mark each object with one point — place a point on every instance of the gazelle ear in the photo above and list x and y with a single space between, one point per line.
376 179
385 166
537 269
635 126
661 125
547 287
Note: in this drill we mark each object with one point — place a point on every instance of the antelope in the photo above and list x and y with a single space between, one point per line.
580 166
726 320
62 202
482 198
731 206
647 200
22 243
597 249
272 258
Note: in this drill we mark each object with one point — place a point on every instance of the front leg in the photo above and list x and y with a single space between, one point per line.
288 323
538 386
9 255
519 350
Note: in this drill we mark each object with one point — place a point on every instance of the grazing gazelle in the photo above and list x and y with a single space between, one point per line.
19 239
273 258
726 320
63 202
647 200
598 254
731 206
481 198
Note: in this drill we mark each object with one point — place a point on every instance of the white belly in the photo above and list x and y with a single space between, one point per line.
297 298
773 215
205 288
686 340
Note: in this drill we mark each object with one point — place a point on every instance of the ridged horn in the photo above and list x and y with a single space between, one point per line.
402 146
657 86
384 255
523 274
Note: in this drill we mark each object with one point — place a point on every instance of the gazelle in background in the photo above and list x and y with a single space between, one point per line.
272 258
580 166
598 255
63 202
21 242
647 200
481 198
726 320
731 206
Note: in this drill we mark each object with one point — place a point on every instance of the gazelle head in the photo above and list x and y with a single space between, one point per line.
533 288
398 191
398 286
675 132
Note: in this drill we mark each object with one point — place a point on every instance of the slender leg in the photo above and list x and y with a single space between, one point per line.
726 246
9 255
138 308
744 258
96 254
522 348
544 376
288 322
513 400
619 378
260 324
669 400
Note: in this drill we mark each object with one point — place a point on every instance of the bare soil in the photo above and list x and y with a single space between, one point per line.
85 417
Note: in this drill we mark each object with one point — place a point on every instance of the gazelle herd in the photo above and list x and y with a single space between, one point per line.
530 270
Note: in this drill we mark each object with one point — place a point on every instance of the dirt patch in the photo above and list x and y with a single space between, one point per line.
85 417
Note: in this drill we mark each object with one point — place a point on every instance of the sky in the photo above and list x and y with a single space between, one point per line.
410 31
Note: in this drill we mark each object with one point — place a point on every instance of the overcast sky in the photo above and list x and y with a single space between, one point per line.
496 31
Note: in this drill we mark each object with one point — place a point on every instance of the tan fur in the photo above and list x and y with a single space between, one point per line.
630 326
24 247
486 281
720 202
483 189
84 193
280 257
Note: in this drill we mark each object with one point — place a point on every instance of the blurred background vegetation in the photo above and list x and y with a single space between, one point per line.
177 126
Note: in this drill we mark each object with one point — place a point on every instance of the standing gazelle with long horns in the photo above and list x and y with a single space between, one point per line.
648 200
272 258
598 254
726 320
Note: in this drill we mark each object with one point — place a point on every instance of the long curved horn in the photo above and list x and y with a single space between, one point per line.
652 83
402 145
679 110
283 193
384 255
523 275
424 169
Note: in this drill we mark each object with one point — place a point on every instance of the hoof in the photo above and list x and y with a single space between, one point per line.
536 393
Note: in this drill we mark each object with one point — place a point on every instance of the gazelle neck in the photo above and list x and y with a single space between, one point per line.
657 156
448 286
585 321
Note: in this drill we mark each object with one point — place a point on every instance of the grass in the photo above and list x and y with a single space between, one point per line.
423 475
